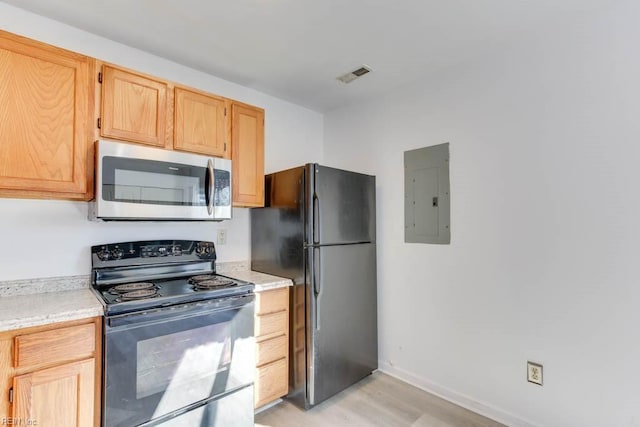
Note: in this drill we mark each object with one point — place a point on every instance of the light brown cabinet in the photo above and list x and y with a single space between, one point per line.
46 111
52 374
147 110
201 124
59 396
134 107
247 141
272 345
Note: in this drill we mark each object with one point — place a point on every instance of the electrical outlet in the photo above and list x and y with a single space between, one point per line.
222 237
534 373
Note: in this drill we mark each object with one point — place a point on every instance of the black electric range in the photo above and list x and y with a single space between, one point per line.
178 342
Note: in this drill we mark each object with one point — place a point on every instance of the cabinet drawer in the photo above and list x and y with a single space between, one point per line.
271 383
269 324
271 349
272 301
54 346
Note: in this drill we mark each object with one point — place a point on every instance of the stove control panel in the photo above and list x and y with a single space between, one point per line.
152 251
160 250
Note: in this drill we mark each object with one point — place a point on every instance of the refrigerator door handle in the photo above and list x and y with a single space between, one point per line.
316 281
316 219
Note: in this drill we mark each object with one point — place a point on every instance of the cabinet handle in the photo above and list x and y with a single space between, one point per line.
11 395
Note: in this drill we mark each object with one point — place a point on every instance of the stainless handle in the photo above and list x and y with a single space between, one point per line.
210 185
316 219
316 271
316 282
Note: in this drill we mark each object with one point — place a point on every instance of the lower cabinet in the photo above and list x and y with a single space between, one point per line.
56 396
272 345
52 374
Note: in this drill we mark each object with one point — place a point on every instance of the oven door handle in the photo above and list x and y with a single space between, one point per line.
175 313
210 182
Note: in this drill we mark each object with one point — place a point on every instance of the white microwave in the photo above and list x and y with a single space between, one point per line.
133 182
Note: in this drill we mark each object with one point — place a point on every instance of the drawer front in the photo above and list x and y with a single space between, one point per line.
271 382
54 346
271 324
271 350
272 301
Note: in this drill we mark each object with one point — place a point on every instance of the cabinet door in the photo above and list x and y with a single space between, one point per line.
46 109
57 397
201 124
134 107
247 131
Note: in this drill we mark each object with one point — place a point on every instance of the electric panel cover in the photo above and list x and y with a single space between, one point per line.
427 195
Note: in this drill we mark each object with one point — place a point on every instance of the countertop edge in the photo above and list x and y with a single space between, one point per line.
50 319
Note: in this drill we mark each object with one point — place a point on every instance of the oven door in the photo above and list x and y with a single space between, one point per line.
135 182
160 363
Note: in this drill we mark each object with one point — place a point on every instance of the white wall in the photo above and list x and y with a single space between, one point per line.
543 262
52 238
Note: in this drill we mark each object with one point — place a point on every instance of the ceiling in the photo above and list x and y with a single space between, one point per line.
295 49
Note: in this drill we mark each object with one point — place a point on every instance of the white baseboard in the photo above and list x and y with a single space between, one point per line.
454 397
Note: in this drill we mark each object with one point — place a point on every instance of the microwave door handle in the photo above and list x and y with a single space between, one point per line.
210 186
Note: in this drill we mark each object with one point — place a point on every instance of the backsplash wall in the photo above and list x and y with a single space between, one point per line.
58 234
45 238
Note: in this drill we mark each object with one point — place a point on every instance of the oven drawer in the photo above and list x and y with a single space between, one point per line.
271 324
272 301
271 382
54 346
271 349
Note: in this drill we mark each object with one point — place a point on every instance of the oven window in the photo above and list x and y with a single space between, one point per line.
152 182
188 359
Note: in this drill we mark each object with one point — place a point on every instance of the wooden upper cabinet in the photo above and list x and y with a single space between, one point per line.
134 107
247 136
201 124
46 114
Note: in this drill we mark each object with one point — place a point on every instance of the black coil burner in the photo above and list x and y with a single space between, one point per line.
136 295
134 291
210 281
130 287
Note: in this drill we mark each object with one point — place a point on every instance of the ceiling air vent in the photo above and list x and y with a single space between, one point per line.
349 77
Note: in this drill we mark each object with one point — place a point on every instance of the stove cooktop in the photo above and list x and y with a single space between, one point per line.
139 276
137 296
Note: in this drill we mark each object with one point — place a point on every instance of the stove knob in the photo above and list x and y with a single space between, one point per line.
104 255
117 253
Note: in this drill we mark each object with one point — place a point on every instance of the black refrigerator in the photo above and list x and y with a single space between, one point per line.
318 228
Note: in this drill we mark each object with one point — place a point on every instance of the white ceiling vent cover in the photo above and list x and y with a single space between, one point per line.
349 77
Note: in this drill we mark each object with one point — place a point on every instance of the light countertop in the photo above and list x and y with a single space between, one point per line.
263 282
22 311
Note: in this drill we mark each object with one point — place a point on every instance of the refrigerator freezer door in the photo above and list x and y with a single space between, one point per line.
343 326
343 207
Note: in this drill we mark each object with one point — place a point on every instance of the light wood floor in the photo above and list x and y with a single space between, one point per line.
378 400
